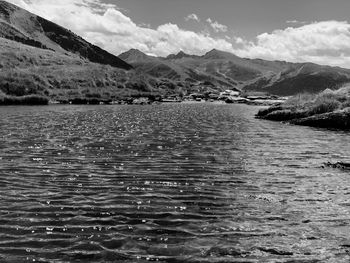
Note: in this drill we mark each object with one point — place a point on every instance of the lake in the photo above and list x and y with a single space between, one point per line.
199 182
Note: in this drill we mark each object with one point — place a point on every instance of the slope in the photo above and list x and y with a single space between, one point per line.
20 25
300 78
27 70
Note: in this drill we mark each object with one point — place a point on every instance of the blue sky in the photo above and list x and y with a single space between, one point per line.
293 30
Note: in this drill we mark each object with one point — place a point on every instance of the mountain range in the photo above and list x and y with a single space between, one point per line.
226 69
40 57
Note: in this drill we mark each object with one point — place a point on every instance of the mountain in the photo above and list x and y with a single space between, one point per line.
27 70
170 68
300 78
135 55
181 67
230 71
180 55
19 25
38 57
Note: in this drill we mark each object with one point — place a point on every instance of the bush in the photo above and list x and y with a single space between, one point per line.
307 105
299 101
324 103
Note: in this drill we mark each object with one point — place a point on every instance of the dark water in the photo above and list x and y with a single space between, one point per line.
171 183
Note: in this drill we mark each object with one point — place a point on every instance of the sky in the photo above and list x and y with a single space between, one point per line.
296 31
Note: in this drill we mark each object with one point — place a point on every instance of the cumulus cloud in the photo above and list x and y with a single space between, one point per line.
321 42
217 26
292 22
105 25
296 22
192 17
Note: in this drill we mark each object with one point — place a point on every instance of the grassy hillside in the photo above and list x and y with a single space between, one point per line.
329 109
21 26
26 70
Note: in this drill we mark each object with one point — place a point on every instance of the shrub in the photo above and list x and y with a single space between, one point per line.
299 101
325 103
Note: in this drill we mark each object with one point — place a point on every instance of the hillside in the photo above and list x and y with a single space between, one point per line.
21 26
170 68
228 70
299 78
27 70
38 57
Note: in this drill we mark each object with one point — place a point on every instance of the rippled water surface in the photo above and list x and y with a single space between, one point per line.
171 183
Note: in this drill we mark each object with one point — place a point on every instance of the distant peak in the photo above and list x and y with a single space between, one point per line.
213 51
180 55
134 55
218 54
134 51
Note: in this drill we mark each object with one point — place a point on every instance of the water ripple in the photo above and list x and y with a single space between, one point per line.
169 183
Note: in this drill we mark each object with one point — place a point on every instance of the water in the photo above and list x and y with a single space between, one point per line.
169 183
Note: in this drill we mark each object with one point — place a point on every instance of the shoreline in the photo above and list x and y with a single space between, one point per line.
38 100
329 110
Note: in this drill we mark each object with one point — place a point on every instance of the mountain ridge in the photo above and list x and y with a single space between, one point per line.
22 26
227 69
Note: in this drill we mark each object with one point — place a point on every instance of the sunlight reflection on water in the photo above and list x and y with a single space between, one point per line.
171 183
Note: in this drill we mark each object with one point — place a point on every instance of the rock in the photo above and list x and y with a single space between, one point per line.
264 112
338 120
338 165
306 221
284 115
275 251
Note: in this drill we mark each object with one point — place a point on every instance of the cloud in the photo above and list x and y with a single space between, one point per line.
217 26
192 17
292 22
296 22
105 25
324 42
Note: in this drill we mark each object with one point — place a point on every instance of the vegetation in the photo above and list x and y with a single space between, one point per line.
24 100
17 24
66 78
327 109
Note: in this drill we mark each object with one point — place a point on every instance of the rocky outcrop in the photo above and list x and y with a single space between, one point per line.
278 113
338 165
338 120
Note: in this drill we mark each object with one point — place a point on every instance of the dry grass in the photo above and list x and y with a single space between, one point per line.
306 105
26 71
320 103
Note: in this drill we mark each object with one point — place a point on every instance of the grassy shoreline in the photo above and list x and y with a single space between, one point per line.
23 100
329 109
